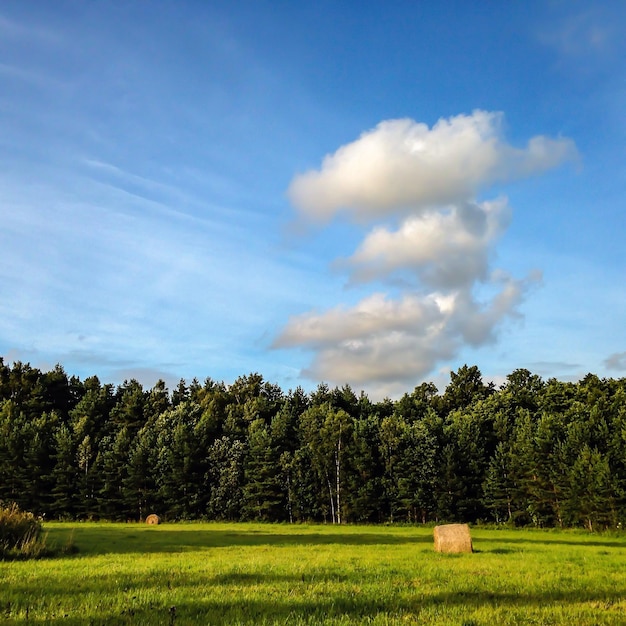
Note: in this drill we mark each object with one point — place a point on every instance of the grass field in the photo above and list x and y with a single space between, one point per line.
280 574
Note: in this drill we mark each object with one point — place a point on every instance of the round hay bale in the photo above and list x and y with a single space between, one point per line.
452 538
153 519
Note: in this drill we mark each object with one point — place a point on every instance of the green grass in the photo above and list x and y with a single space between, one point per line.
280 574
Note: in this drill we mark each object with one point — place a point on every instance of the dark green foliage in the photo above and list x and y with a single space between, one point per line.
365 493
131 403
530 453
64 475
225 478
139 484
178 461
112 469
466 387
263 493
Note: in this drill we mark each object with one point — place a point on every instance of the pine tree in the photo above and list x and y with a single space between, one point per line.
226 477
262 495
64 475
498 486
112 467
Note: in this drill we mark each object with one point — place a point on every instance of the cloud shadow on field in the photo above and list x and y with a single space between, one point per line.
582 542
141 539
337 606
128 540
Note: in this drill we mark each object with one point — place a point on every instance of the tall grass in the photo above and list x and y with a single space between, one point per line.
20 534
309 575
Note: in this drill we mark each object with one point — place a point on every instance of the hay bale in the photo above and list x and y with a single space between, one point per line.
153 519
452 538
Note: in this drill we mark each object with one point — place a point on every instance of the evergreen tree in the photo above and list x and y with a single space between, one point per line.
466 386
130 406
226 478
591 497
365 496
11 452
418 470
139 484
498 487
177 470
112 467
64 475
263 499
393 438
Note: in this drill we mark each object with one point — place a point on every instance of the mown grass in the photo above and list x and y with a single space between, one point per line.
280 574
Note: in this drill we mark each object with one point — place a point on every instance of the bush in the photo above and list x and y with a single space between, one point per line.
20 533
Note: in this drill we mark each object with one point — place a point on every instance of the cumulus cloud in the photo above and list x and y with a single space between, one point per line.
405 166
440 249
444 250
386 340
375 315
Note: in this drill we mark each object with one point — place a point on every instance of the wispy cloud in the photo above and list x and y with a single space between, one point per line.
27 32
147 376
441 250
581 34
37 78
616 361
103 279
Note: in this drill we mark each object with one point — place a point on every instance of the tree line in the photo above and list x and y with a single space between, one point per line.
531 452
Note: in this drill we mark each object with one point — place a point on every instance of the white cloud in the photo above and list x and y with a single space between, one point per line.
377 340
403 166
440 251
382 340
445 249
375 315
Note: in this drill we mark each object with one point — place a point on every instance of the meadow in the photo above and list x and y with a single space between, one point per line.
312 574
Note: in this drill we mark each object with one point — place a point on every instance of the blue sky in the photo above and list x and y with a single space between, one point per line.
358 192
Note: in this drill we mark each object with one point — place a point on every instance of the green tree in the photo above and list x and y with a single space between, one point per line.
130 405
178 463
64 474
466 387
418 469
139 484
591 496
112 466
226 478
469 445
326 433
158 400
262 493
365 496
393 447
498 487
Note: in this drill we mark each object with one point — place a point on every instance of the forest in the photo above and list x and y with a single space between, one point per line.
532 452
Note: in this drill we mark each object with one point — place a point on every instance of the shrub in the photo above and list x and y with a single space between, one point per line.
20 533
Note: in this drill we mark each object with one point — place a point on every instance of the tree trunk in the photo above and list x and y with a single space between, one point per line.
338 468
289 506
332 500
